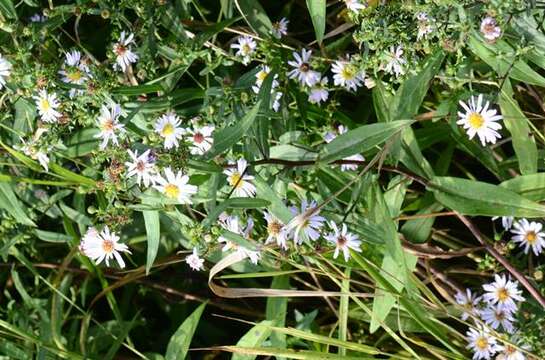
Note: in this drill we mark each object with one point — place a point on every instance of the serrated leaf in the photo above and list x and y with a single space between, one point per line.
178 345
479 198
361 139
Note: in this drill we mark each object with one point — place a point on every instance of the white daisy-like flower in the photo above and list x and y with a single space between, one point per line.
481 343
355 5
237 178
480 120
490 29
29 150
141 167
175 186
167 126
245 46
5 70
494 317
47 105
103 246
329 136
108 123
424 25
319 92
124 56
511 351
302 70
276 231
194 261
529 235
343 241
280 28
506 221
74 71
232 223
503 293
396 62
305 224
201 139
260 76
347 75
469 303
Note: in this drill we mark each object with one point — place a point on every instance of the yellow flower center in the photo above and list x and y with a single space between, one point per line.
348 72
107 246
531 237
274 228
236 180
168 130
74 75
503 294
45 105
481 343
172 191
261 75
476 120
246 49
107 125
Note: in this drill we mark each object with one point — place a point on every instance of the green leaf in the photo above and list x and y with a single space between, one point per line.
137 90
411 93
153 234
411 156
381 101
235 203
523 142
276 206
502 58
225 138
255 16
7 8
317 10
530 186
178 345
291 152
253 338
52 237
10 203
480 198
361 139
277 309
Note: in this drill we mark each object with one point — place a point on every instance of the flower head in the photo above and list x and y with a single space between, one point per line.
490 29
260 76
5 70
108 123
481 343
280 28
480 120
124 56
167 126
305 224
424 25
503 293
529 235
355 5
194 261
469 302
47 105
319 92
396 62
175 186
302 70
496 317
239 180
74 71
141 167
512 350
201 139
245 46
276 231
506 221
232 224
343 241
103 246
347 75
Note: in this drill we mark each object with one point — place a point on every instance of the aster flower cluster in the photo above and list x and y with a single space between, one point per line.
496 310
